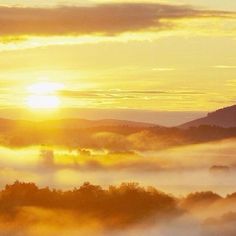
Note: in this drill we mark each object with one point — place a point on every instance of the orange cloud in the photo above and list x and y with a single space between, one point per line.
103 19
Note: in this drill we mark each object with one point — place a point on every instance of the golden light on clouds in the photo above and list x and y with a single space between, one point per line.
81 24
164 46
104 92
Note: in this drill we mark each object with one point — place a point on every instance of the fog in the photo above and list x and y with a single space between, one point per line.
180 170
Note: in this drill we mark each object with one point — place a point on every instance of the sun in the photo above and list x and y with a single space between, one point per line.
45 88
44 95
43 102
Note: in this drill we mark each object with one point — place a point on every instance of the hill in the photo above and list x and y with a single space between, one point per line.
115 135
225 117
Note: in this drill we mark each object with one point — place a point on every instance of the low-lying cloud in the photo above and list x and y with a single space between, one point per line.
178 170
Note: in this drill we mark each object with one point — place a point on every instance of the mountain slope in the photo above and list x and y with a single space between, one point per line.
225 117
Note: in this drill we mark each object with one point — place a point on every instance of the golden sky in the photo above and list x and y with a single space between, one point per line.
149 55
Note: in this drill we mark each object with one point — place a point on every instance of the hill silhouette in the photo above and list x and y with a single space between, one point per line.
7 124
225 117
113 135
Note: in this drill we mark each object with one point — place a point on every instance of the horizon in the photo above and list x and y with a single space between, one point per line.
168 118
117 118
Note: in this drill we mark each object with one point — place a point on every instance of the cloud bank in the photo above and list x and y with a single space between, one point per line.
102 19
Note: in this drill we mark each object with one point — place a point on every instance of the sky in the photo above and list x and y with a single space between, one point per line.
159 56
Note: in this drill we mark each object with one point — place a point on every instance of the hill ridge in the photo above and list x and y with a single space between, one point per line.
224 117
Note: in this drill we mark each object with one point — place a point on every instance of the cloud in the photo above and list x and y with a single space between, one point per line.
163 69
102 19
110 94
225 67
123 94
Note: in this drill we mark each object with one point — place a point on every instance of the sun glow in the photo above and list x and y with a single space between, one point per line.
46 101
45 88
43 95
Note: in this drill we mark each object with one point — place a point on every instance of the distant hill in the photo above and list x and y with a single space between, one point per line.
7 125
85 124
115 135
225 117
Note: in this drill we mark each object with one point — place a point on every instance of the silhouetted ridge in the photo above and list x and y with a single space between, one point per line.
225 117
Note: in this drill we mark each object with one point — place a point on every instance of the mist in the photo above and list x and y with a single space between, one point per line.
177 170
